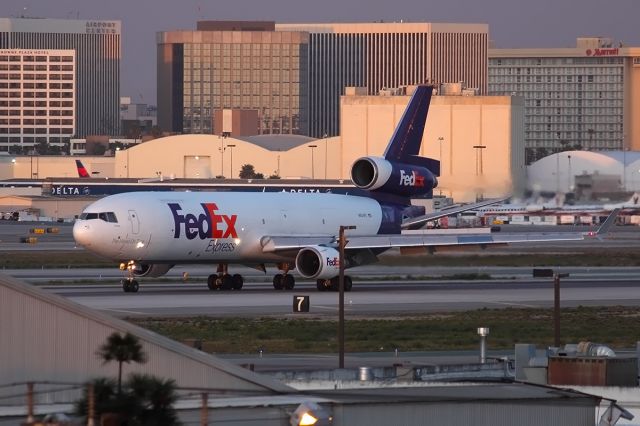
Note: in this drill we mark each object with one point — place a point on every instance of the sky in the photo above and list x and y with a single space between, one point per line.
512 23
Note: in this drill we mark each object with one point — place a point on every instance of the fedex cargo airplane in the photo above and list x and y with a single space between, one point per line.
150 232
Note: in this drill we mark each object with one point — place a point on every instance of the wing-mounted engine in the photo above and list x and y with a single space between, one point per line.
151 270
318 262
406 179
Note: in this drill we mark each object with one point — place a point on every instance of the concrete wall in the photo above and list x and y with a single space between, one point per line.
44 337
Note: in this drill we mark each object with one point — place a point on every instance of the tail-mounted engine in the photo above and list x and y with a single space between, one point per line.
318 262
381 175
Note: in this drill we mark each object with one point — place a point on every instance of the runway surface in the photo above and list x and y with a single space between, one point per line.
373 298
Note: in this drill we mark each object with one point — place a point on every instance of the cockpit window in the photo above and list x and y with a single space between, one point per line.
111 217
106 216
88 216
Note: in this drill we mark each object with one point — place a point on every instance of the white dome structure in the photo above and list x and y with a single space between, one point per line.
556 172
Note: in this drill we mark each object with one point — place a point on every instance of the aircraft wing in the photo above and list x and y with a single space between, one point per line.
427 238
414 222
275 244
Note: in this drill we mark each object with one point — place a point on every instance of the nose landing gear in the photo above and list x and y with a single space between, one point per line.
129 284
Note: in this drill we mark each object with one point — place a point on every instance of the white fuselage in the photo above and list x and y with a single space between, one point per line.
204 227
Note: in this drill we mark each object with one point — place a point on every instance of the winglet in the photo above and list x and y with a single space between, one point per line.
608 223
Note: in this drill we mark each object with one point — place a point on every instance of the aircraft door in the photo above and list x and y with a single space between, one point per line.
135 222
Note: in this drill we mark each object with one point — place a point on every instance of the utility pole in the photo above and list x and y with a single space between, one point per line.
342 243
204 410
312 148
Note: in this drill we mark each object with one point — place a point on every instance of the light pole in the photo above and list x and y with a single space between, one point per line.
441 140
479 169
312 148
231 146
624 169
223 136
569 177
324 137
479 149
342 242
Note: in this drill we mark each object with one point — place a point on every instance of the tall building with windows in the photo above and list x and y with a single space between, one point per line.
232 66
294 74
386 55
583 98
97 64
37 97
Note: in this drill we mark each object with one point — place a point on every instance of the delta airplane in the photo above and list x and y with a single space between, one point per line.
150 232
82 171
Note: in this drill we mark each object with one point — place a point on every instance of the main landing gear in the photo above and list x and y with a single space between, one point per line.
333 284
284 281
129 284
223 280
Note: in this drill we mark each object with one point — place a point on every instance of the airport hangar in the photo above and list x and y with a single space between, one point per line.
479 140
51 342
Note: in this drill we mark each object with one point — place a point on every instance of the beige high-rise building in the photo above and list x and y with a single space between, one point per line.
232 66
97 64
586 97
37 98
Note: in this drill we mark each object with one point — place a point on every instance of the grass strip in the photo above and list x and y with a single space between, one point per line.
83 259
616 326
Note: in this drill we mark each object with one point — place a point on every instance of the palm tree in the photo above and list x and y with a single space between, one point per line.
156 397
119 348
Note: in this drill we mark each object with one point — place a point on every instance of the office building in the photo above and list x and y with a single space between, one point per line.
575 98
231 66
97 64
37 98
293 75
386 55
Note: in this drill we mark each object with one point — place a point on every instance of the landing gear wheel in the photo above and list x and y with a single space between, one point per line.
278 281
237 281
129 286
348 283
335 284
226 282
289 282
321 285
211 282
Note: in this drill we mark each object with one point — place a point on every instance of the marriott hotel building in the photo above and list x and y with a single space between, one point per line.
586 97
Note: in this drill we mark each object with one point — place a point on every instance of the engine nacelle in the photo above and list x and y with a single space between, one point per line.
318 262
151 270
379 174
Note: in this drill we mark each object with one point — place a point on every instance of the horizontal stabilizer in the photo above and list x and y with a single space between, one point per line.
414 222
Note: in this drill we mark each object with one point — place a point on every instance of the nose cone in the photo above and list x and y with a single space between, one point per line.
82 233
